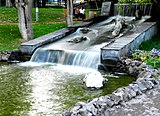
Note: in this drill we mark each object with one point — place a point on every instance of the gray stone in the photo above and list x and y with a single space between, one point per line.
153 80
83 112
5 56
80 104
141 86
98 104
144 82
135 88
106 113
143 65
115 98
109 102
66 114
131 70
128 90
141 74
126 95
76 109
119 92
148 75
128 61
91 108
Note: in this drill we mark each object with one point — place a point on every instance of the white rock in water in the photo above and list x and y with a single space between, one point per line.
94 80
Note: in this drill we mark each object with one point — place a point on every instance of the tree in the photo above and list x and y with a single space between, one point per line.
25 18
43 3
9 3
69 12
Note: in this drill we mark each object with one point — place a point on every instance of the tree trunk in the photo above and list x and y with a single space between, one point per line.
69 13
8 3
25 18
43 3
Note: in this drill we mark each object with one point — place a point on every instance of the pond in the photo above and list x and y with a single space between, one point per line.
34 89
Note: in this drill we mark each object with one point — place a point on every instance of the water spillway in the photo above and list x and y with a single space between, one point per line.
53 87
91 46
74 58
81 48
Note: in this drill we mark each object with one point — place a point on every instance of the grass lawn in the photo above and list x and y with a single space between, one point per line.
152 43
49 20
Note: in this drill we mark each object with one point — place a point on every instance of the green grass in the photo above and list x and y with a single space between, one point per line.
50 20
152 43
8 15
10 37
45 15
47 28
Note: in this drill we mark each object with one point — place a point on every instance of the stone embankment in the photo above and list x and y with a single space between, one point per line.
14 55
147 79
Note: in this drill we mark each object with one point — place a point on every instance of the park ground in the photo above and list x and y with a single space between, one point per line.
50 20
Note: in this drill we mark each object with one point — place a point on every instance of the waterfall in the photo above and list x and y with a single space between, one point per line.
87 59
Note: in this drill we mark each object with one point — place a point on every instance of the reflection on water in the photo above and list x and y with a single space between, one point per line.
46 90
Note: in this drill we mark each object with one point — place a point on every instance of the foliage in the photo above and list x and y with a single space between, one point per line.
47 28
45 15
150 57
10 37
152 43
134 1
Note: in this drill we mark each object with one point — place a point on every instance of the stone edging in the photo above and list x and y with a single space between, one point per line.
147 78
14 56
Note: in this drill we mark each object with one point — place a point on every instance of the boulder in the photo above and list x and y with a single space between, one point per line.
94 80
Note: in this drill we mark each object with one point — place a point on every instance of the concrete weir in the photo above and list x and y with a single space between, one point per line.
131 41
30 46
111 51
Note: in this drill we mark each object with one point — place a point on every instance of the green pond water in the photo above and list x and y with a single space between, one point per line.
47 90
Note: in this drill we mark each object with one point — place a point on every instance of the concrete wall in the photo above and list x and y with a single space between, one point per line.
121 46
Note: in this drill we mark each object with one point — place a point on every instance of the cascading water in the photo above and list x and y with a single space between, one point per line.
81 48
68 57
34 89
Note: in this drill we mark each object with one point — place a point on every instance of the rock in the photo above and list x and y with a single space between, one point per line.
130 91
119 92
94 80
141 86
76 109
149 83
128 61
77 39
135 88
115 98
153 80
142 66
80 104
92 109
141 74
66 114
85 30
108 101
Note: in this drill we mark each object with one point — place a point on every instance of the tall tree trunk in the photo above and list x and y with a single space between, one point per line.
8 3
43 3
69 12
25 18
